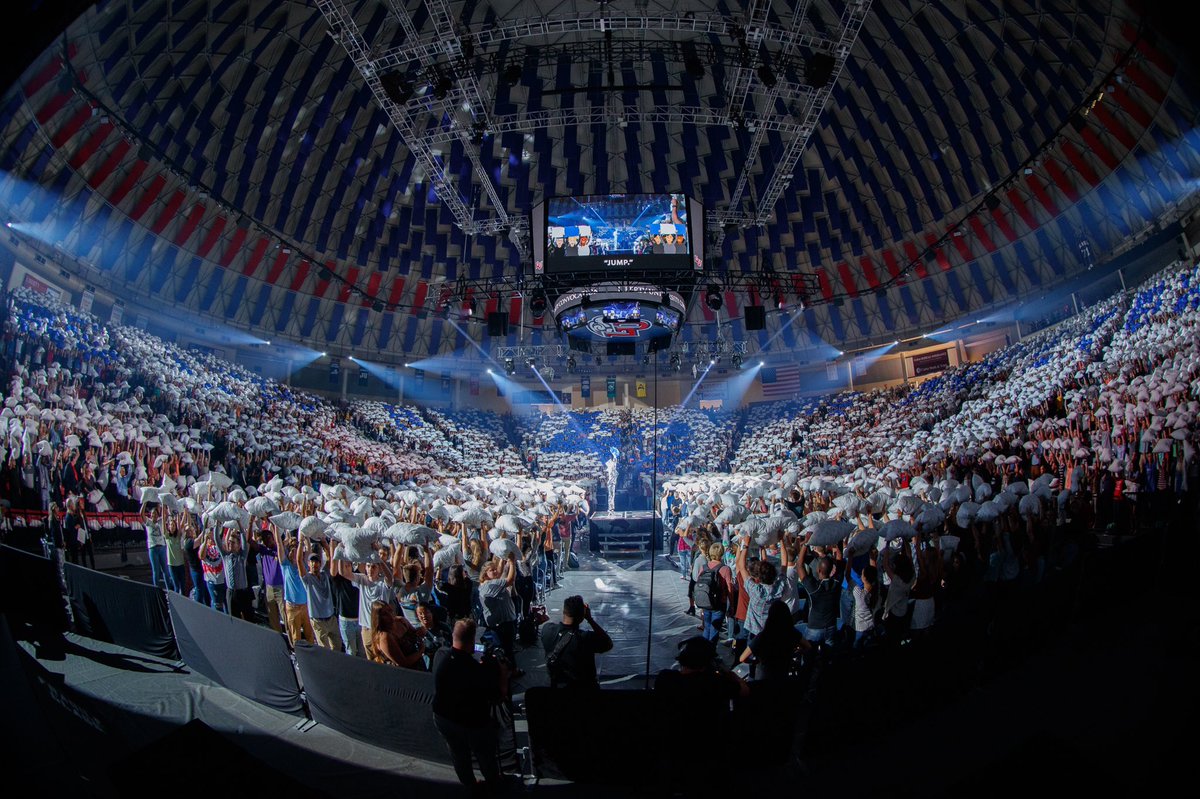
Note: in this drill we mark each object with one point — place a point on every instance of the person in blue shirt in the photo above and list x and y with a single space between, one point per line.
295 596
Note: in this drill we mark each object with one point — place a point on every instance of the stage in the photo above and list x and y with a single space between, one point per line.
625 533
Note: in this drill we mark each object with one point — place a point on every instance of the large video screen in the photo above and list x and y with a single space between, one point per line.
615 231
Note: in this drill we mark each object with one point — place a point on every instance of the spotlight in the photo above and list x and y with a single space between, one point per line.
676 361
531 363
737 362
762 363
645 360
712 297
510 368
571 364
471 307
489 371
695 370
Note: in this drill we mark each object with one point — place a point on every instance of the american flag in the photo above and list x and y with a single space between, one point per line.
780 382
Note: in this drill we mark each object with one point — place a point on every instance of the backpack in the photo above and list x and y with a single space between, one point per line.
710 590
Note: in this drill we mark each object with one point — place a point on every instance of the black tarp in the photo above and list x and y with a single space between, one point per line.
382 705
247 659
120 611
31 590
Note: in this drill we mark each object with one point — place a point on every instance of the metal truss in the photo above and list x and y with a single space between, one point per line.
851 24
559 117
345 29
416 49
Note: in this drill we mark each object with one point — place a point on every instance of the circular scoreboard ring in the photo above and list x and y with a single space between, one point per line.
620 312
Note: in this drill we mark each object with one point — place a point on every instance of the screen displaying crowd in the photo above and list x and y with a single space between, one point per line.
631 224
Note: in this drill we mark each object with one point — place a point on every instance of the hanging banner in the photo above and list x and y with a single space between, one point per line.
930 362
860 367
419 374
612 387
140 321
641 389
585 386
831 371
474 384
85 302
118 313
445 383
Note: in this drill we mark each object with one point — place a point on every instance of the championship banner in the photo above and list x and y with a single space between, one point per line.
445 383
419 374
85 302
641 389
585 386
118 313
930 362
831 371
612 387
474 384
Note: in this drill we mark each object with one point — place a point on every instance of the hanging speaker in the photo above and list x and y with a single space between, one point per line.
756 317
497 322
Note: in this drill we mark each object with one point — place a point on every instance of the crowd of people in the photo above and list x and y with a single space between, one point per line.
849 521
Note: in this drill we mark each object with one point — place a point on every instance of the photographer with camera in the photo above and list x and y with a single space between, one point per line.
570 651
464 690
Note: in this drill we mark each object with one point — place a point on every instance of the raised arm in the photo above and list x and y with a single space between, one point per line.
510 575
428 566
298 553
742 571
801 567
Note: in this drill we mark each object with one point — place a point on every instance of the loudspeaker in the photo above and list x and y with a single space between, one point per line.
818 69
577 344
756 317
397 89
497 323
658 344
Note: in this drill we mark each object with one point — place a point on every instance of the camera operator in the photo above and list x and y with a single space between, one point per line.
464 690
701 676
570 651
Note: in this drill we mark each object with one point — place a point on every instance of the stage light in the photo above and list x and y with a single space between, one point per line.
531 363
712 297
645 360
762 363
510 368
695 370
737 362
489 371
676 361
537 305
471 307
571 364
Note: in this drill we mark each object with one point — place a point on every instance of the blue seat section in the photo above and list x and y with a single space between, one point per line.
337 311
410 333
11 154
216 277
161 271
931 293
910 307
385 330
360 327
193 272
435 335
235 297
956 290
285 311
885 312
1002 273
310 316
139 257
260 304
285 131
1051 253
981 284
835 320
860 316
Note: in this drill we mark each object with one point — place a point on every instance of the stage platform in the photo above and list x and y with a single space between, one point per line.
625 533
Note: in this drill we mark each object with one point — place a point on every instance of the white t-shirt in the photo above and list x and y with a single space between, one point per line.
368 594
